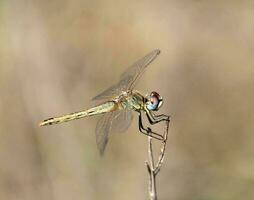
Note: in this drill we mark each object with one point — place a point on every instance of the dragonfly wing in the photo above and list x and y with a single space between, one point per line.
116 121
129 78
107 94
102 131
134 72
122 120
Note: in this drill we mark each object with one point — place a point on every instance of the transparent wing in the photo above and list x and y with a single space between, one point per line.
111 92
102 131
122 120
117 121
134 72
129 78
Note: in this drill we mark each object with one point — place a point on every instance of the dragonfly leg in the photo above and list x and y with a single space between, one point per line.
148 131
154 119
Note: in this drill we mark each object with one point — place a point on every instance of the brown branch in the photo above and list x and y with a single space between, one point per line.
152 169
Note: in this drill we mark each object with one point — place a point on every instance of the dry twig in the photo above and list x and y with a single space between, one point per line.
153 169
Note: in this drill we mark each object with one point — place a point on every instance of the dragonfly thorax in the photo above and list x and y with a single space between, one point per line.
131 100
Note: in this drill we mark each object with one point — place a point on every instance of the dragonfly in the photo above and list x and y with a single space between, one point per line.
117 103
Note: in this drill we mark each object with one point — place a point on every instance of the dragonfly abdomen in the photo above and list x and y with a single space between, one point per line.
100 109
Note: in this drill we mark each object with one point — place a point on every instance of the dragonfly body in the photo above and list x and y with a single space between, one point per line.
130 100
118 103
100 109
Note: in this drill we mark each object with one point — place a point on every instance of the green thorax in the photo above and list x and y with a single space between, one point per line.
132 101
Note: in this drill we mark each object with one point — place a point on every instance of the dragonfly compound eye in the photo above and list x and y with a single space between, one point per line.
154 102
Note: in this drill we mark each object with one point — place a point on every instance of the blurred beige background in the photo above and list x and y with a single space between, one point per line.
56 55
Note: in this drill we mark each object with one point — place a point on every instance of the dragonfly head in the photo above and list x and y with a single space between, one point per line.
154 101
